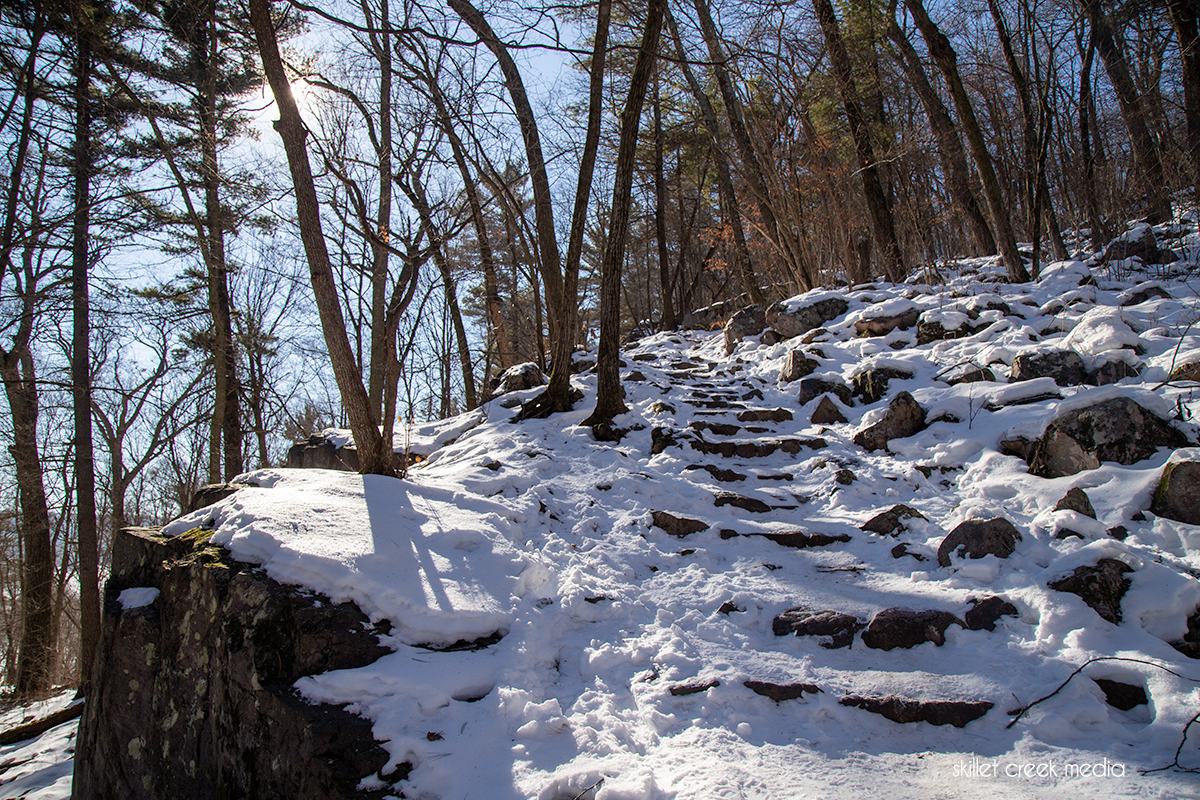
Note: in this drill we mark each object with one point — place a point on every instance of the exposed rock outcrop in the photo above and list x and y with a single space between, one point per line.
872 385
936 712
901 627
884 324
801 621
1113 430
984 614
1077 500
796 366
904 418
1178 494
749 321
788 323
212 493
677 526
827 413
890 522
977 538
319 452
780 692
1100 585
1064 366
519 378
812 388
192 692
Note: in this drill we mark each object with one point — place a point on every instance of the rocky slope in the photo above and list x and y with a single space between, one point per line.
839 545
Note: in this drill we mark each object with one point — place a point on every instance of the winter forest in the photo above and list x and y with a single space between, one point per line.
225 227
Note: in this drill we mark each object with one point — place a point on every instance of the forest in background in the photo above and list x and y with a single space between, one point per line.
461 189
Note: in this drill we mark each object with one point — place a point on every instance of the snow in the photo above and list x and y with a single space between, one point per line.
137 597
39 768
541 534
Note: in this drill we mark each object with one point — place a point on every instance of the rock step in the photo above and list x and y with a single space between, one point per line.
757 449
780 692
936 712
794 539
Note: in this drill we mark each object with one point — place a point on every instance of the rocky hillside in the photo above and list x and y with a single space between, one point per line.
842 544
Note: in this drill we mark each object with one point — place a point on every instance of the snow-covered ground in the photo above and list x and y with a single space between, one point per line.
626 650
38 768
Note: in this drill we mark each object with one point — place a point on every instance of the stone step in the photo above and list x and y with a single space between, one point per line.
757 449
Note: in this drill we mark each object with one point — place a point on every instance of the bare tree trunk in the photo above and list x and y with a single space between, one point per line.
375 458
860 130
487 257
776 230
587 163
1033 176
1185 17
739 251
947 60
381 343
562 308
35 653
609 400
81 373
950 147
1145 151
226 430
1095 221
660 214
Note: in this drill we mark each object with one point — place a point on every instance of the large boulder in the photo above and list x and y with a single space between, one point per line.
519 378
1139 243
872 384
884 324
212 493
904 418
838 627
900 627
1066 367
1178 494
320 452
192 689
977 538
789 322
1113 430
749 321
796 366
890 522
983 614
827 413
812 388
1100 585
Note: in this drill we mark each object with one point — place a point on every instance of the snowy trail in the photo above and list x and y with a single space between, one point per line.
626 648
